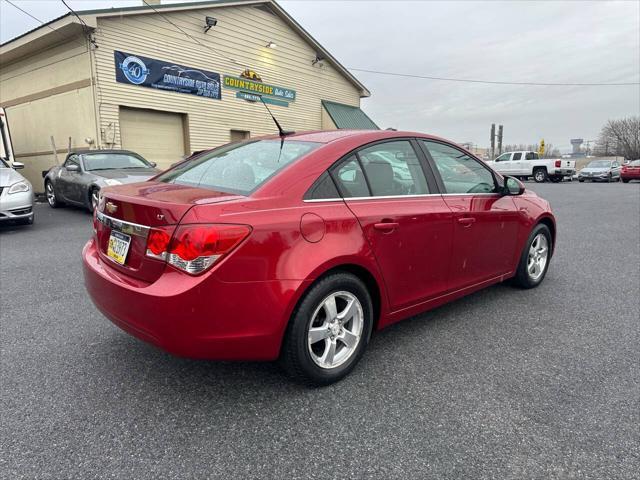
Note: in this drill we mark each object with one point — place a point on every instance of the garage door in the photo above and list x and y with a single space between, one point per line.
157 136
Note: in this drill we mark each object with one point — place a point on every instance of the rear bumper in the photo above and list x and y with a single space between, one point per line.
565 171
196 317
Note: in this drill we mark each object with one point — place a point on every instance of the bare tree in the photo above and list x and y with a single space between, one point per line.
620 137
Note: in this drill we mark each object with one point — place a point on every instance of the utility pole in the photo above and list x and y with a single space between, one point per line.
499 139
493 141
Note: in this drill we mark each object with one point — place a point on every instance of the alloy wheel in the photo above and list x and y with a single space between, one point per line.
94 198
51 196
538 256
335 330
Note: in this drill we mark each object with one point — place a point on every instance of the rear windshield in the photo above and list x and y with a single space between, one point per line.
238 167
113 161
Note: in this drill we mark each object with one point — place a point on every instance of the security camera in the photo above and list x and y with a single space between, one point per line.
210 22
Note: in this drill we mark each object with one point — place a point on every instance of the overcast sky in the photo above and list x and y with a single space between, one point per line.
514 41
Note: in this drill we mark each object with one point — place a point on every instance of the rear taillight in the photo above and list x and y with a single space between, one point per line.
195 248
558 163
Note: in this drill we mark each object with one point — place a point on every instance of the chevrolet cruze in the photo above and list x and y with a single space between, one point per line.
297 247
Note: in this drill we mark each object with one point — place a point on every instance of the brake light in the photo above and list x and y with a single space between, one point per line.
158 243
558 163
195 248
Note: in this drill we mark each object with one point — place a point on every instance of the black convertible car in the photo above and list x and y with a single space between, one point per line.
79 179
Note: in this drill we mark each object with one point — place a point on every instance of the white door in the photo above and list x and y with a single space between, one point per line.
517 164
502 164
157 136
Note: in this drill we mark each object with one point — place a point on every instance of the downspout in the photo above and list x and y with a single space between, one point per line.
94 79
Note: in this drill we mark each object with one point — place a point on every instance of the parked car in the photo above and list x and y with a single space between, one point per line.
84 173
525 164
630 171
600 171
16 194
297 247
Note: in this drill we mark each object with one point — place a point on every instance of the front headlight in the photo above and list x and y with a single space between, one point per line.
19 187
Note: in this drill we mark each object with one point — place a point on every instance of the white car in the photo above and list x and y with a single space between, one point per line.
526 164
16 195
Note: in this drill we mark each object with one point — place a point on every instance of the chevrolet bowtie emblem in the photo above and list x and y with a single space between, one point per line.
111 207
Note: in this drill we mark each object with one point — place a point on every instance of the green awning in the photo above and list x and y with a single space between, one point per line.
346 116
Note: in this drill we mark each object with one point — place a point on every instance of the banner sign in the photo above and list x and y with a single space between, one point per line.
161 75
250 97
259 88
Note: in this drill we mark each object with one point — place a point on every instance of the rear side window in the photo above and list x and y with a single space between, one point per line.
460 173
238 168
323 188
517 156
350 179
393 168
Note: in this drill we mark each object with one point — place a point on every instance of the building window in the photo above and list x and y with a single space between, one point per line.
239 135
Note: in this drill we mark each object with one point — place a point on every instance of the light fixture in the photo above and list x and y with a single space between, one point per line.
271 45
209 22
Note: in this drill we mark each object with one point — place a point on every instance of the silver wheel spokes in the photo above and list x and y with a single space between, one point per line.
51 197
335 329
538 255
94 198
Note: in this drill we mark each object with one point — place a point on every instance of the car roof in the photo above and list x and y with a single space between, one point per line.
328 136
88 151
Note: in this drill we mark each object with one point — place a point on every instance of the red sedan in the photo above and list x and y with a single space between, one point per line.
298 247
630 171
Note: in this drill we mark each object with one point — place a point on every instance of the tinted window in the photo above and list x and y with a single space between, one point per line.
532 156
517 156
323 188
393 168
460 172
350 179
238 168
113 161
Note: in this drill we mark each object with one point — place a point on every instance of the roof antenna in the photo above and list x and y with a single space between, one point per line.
281 132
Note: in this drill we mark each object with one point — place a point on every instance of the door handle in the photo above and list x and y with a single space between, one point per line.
386 226
466 221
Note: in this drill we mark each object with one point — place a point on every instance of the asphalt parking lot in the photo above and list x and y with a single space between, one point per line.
505 383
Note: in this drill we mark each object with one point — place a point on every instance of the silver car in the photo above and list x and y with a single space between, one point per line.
600 171
16 195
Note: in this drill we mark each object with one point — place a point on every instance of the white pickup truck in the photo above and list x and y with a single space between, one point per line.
525 164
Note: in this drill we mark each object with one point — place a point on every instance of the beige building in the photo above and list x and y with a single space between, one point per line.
165 80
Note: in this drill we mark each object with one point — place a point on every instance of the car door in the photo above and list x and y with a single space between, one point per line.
517 164
389 188
486 222
67 183
615 169
502 164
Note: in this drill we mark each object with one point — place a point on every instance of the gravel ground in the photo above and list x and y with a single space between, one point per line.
503 384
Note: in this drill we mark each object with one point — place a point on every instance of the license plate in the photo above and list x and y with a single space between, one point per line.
118 246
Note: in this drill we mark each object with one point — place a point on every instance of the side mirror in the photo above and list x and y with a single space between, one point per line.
72 168
17 165
153 164
512 186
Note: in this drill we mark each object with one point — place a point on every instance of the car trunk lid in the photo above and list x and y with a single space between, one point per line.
131 211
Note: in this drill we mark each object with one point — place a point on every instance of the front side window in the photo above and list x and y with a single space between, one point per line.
460 173
72 160
504 157
350 179
393 168
238 168
113 161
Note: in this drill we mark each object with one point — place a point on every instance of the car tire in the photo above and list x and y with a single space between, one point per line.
610 178
540 175
625 180
581 180
528 276
50 193
93 198
306 360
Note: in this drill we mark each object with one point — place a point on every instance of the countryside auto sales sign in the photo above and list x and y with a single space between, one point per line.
161 75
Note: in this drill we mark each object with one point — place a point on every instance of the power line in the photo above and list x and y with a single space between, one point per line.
192 38
494 82
85 27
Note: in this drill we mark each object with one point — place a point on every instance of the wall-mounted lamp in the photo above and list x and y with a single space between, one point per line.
319 58
209 22
271 45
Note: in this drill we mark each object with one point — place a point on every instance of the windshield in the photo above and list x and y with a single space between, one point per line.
238 168
113 161
599 164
